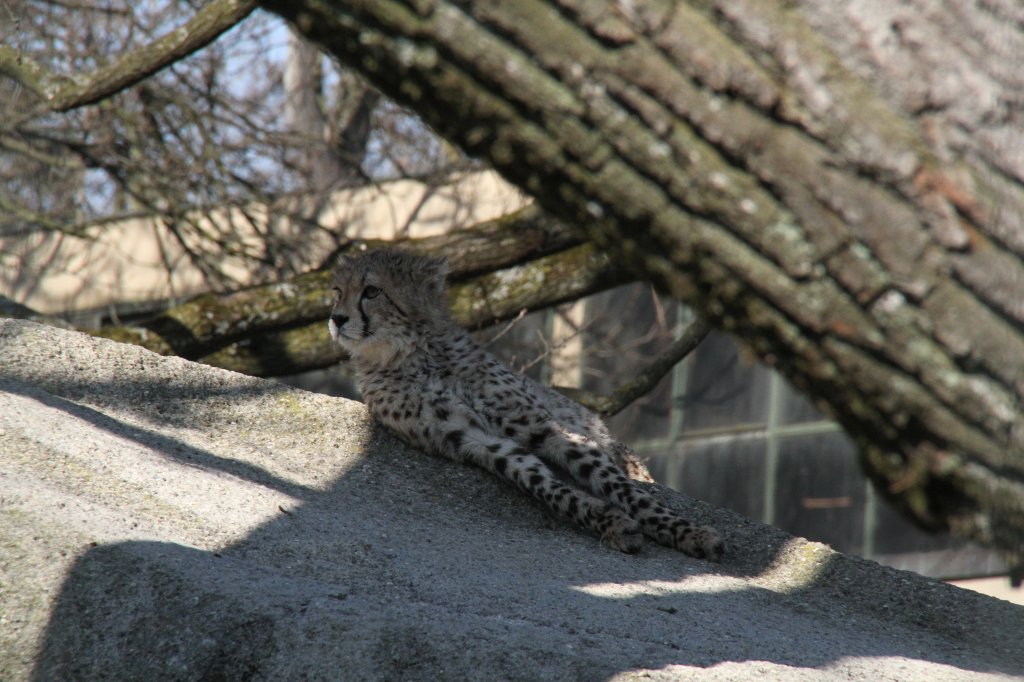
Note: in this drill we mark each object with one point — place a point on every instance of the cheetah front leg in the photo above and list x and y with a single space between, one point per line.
505 458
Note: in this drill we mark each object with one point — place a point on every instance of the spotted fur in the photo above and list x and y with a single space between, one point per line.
422 376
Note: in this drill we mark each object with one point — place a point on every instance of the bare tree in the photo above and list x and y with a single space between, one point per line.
119 110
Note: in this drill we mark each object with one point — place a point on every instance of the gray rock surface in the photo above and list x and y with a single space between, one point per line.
164 520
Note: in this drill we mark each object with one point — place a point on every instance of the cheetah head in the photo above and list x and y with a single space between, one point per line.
385 301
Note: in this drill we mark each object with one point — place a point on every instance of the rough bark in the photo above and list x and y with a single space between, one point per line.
728 153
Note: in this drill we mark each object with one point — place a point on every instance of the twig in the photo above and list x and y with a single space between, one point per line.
508 327
550 348
646 380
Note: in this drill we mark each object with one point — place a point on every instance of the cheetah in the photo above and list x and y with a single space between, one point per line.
423 377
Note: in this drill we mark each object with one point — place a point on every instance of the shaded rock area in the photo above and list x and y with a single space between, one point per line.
160 519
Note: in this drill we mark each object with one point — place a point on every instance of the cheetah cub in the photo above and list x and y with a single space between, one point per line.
423 377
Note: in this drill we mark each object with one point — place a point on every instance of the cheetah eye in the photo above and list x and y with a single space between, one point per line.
371 292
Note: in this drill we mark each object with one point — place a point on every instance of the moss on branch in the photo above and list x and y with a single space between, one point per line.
497 268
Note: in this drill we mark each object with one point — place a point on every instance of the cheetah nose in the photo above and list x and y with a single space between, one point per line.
339 320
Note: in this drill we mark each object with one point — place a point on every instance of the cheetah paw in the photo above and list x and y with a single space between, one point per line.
622 533
701 542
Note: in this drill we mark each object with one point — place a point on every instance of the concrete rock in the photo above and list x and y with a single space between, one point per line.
164 520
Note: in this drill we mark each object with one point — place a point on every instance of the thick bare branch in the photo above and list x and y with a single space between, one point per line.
206 324
475 303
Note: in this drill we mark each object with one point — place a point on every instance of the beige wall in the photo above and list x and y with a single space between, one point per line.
998 587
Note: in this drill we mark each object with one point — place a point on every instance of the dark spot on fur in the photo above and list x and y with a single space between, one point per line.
537 439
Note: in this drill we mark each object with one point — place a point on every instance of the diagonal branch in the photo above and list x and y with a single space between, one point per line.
619 399
62 93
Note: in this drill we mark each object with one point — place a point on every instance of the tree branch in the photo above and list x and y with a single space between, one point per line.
524 260
63 93
611 404
475 303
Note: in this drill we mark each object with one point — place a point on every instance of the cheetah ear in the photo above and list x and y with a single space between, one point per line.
343 261
437 270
